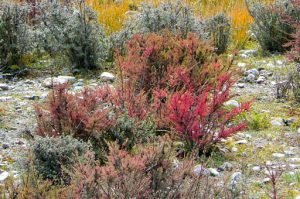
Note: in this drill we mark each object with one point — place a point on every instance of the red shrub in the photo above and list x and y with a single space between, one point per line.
168 61
186 84
201 120
82 115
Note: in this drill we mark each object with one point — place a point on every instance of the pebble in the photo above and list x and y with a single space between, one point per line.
241 65
105 76
250 78
235 179
260 79
214 172
49 82
5 146
199 170
256 168
278 155
266 180
3 176
4 87
226 167
253 71
277 122
294 160
242 142
233 103
241 85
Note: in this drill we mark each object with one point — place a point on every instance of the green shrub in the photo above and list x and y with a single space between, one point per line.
129 131
257 121
75 32
15 34
53 155
218 28
270 26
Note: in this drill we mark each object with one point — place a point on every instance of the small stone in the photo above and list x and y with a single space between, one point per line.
266 180
49 82
234 149
278 155
235 179
4 87
214 172
260 79
5 146
105 76
226 167
289 153
241 85
256 168
294 160
31 97
199 170
233 103
253 71
242 142
241 65
277 122
279 62
6 98
79 83
248 53
294 166
28 81
3 176
250 78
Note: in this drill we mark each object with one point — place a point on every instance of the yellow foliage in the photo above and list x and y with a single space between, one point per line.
113 13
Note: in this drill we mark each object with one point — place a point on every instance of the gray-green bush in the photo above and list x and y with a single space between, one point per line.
270 26
74 32
15 34
53 155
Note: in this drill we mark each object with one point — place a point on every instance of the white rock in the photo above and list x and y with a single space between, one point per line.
4 87
289 152
279 62
241 142
256 168
260 79
213 172
241 85
294 160
233 103
298 131
297 197
49 82
248 53
235 179
294 166
234 149
200 170
266 180
278 155
253 71
3 176
6 98
105 76
250 78
277 122
241 65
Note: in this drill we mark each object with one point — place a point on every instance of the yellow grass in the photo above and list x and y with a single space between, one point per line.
113 14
